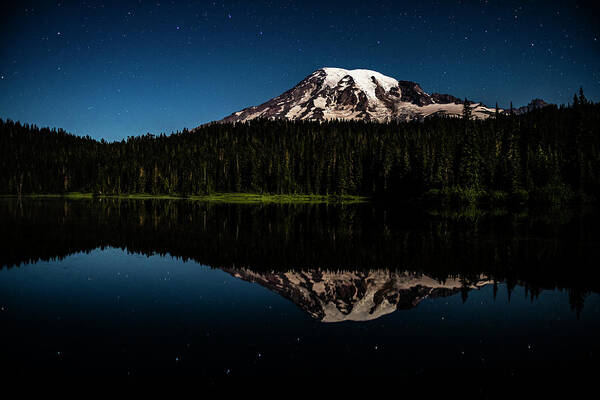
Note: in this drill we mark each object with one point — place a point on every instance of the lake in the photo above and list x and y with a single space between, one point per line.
163 287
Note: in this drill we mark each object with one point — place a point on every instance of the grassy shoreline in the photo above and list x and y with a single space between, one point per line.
242 198
434 198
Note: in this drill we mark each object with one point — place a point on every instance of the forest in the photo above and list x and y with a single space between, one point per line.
548 155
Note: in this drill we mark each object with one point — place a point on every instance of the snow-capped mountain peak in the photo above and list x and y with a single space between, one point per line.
358 94
336 296
365 79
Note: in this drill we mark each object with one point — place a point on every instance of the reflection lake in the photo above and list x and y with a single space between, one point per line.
177 287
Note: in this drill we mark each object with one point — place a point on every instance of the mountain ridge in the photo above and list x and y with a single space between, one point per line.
361 94
330 296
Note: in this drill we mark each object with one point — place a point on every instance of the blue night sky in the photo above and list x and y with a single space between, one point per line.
124 68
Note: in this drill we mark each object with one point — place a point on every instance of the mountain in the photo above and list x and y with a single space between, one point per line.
535 104
359 94
353 296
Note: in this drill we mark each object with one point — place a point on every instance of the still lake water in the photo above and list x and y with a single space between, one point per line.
164 288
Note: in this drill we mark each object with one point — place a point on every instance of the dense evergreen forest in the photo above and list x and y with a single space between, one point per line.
546 155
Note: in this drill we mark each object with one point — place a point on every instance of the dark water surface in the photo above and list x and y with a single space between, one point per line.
175 288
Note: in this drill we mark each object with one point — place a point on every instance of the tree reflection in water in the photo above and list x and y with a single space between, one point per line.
336 262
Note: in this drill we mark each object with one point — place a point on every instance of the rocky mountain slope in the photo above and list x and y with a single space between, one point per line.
533 105
360 94
353 296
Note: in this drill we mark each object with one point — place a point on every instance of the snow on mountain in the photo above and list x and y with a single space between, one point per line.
366 80
331 296
359 94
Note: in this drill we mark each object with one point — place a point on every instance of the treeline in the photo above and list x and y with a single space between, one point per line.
535 249
551 154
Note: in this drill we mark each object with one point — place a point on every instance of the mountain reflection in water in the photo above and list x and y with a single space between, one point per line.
357 295
337 263
122 287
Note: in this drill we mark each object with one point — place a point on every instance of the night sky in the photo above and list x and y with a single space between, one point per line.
124 68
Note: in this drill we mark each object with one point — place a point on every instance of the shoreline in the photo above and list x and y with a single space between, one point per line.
240 198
